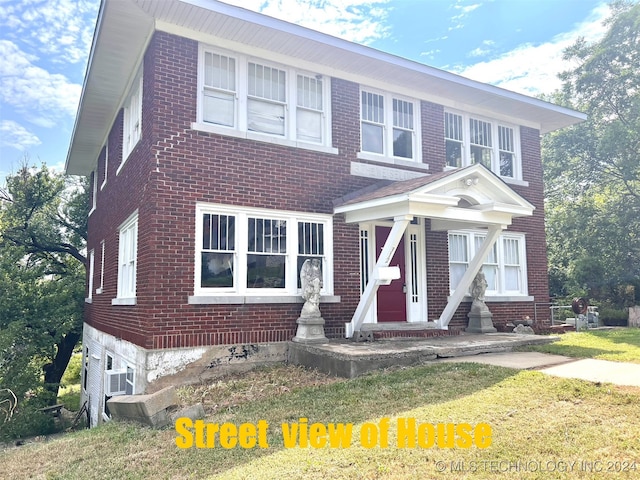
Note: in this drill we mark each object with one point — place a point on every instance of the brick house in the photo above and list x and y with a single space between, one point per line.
225 148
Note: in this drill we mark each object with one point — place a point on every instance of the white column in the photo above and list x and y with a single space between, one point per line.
475 264
399 226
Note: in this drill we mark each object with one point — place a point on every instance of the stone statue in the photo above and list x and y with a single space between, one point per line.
311 281
479 287
310 322
480 318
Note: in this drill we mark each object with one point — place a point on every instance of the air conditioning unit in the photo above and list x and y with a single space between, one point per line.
115 382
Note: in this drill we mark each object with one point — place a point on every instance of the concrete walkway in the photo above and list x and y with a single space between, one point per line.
590 369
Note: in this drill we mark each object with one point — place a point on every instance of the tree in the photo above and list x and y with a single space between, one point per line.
592 170
43 224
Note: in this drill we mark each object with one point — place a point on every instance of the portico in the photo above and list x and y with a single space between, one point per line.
467 198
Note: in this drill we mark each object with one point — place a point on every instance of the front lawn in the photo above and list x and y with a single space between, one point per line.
541 427
615 344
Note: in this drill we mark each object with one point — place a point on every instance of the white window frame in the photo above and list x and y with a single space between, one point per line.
94 191
292 105
495 143
92 256
127 261
473 242
106 165
241 251
389 125
132 119
99 289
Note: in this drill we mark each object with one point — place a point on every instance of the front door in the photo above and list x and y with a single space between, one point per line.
392 299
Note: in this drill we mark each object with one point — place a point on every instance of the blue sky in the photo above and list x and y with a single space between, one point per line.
514 44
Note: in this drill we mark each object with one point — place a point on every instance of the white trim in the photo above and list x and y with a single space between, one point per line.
241 97
92 257
240 300
129 129
106 165
495 151
127 247
388 127
240 290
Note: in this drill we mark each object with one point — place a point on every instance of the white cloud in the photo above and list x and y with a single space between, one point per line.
58 29
41 97
533 69
360 21
464 11
16 136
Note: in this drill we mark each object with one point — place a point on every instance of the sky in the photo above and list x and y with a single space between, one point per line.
513 44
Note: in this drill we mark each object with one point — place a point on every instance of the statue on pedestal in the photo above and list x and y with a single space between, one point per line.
310 323
480 318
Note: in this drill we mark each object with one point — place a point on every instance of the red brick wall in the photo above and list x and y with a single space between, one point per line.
173 167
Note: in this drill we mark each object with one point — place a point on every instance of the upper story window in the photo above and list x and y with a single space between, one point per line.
505 265
127 257
245 96
132 127
470 140
256 251
388 125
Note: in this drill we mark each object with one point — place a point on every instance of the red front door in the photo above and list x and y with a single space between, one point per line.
392 302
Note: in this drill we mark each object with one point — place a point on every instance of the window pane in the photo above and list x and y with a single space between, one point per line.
453 126
309 126
301 260
480 132
265 117
265 271
491 275
372 138
454 153
512 279
402 143
372 107
456 271
458 248
219 108
219 71
481 155
217 269
309 92
506 164
402 114
267 82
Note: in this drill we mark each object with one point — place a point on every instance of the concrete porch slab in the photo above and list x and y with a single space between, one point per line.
345 358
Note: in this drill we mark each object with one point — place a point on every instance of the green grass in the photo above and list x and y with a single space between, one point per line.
617 344
533 417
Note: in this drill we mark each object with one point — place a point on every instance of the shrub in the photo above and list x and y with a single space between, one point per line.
613 317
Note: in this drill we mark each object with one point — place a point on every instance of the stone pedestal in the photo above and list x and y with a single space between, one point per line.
480 319
310 329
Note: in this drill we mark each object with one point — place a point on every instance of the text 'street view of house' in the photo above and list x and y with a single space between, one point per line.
226 147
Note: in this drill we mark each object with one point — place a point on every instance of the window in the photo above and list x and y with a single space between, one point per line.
219 90
127 254
388 125
99 289
504 268
94 191
470 140
91 272
132 127
130 379
245 95
254 251
106 166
